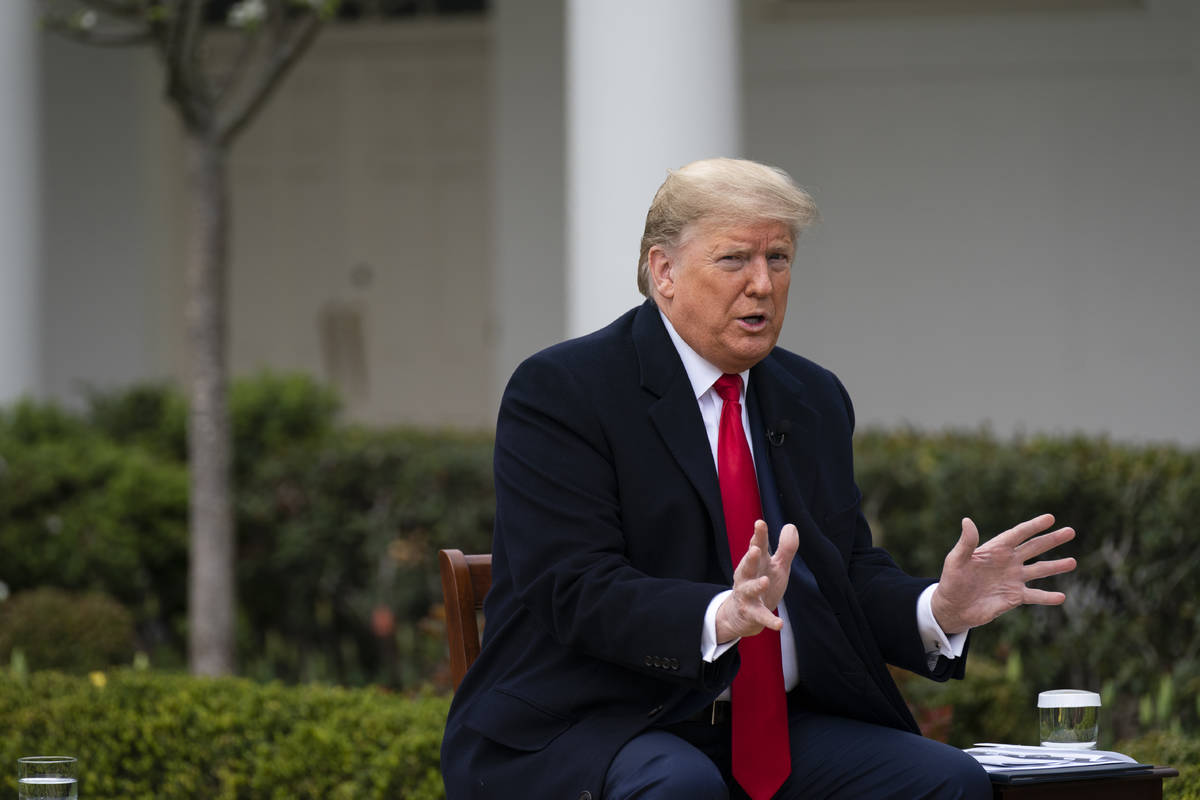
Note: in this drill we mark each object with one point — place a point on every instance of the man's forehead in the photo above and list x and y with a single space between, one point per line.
748 231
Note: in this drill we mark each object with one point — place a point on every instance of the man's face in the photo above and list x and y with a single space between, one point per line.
725 289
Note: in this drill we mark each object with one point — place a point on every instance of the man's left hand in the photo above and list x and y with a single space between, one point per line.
981 582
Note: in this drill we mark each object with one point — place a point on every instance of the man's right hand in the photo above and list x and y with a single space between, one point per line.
758 585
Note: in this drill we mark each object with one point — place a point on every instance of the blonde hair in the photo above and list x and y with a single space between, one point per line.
725 191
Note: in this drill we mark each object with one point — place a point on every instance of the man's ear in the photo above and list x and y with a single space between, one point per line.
662 271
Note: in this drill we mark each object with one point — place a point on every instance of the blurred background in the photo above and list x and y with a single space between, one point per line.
1009 191
1004 276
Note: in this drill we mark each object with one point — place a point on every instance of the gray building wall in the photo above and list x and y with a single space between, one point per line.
1007 238
1009 207
107 223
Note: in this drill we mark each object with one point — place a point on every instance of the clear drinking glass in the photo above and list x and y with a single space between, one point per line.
47 777
1069 718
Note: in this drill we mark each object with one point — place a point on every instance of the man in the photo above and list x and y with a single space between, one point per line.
642 640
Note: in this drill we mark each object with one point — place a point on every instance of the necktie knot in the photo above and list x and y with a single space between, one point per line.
729 388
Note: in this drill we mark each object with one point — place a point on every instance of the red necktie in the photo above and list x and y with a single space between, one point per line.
761 755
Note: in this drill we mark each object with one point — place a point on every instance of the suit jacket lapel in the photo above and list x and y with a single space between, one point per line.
676 415
791 428
791 433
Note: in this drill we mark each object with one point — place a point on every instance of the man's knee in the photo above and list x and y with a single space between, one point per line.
660 766
965 779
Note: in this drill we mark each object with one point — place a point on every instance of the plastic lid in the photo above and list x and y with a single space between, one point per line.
1067 698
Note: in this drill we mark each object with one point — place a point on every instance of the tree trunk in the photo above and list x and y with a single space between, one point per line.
211 588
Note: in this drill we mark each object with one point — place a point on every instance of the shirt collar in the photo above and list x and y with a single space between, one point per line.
700 372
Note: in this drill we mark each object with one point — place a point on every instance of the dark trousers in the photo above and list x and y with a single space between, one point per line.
832 757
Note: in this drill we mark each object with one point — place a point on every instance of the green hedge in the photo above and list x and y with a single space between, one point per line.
138 734
331 534
338 526
83 512
1173 749
142 734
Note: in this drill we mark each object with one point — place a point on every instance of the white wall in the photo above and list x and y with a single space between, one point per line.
106 224
20 370
361 210
529 193
1009 206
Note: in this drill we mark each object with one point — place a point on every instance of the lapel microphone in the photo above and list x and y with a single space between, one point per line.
776 434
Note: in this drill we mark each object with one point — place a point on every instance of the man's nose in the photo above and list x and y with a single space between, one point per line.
758 277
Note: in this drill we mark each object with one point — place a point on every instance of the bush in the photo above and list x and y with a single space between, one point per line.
337 527
333 537
82 513
148 415
1170 749
269 413
178 738
54 629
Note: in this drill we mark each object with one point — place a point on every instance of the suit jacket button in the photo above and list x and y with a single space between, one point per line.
675 664
648 661
585 795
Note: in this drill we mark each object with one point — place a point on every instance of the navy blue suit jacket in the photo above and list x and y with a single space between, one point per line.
610 542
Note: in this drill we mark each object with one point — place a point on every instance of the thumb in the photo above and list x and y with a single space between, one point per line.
968 540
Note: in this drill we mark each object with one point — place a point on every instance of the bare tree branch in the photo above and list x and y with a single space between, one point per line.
276 15
226 87
185 81
284 55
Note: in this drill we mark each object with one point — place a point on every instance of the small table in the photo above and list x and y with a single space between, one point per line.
1142 786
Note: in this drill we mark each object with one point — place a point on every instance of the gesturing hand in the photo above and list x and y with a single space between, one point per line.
981 582
758 585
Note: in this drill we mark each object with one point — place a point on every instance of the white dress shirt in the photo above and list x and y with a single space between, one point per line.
702 376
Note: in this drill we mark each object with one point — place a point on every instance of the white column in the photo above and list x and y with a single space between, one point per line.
19 202
651 85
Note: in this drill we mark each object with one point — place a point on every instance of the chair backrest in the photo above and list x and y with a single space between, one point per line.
465 582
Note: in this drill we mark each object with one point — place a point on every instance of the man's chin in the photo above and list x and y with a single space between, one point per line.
747 357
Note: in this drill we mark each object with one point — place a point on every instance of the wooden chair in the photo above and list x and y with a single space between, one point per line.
465 582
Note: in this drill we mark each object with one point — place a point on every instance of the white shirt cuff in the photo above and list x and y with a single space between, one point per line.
935 640
710 650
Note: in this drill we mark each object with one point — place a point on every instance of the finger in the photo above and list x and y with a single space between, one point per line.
968 540
1030 527
761 615
1044 569
759 538
1044 543
789 543
747 569
751 588
1038 597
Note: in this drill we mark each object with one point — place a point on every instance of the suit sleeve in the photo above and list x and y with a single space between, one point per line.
559 524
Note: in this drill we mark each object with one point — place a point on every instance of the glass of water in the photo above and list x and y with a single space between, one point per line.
47 777
1069 718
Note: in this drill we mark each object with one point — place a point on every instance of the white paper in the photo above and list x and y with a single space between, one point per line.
1012 757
